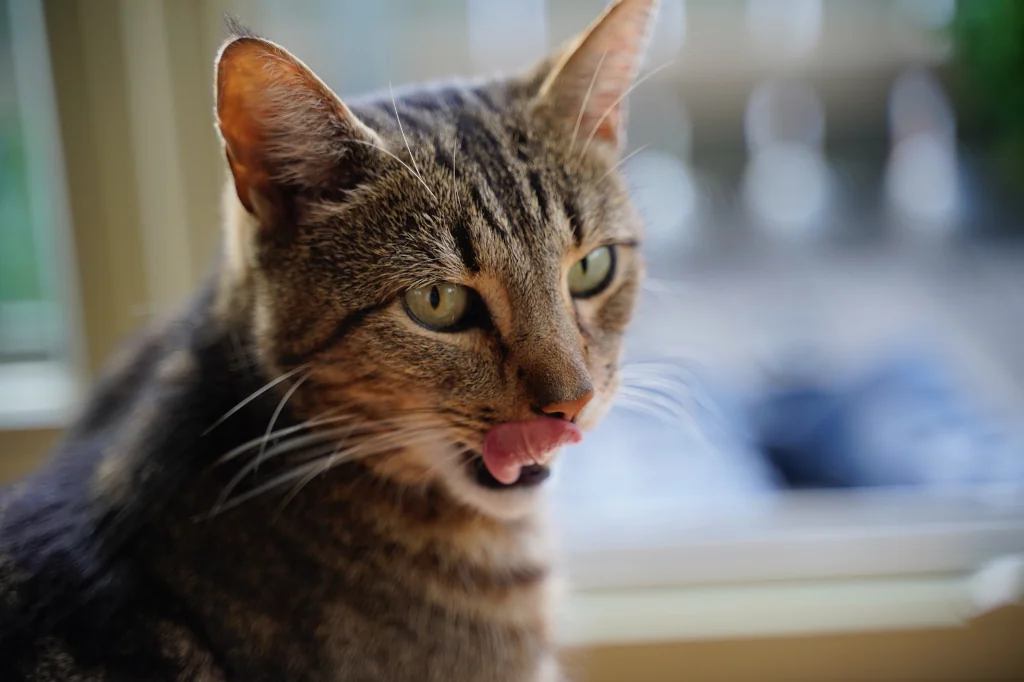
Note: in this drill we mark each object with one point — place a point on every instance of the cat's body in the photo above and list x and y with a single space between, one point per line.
263 591
306 475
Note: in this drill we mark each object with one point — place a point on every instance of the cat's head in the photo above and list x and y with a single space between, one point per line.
433 264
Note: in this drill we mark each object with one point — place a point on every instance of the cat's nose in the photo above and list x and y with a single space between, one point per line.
568 409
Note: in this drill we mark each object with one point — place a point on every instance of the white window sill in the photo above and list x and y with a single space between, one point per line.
37 395
768 610
797 564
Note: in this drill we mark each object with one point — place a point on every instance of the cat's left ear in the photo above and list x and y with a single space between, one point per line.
284 131
587 83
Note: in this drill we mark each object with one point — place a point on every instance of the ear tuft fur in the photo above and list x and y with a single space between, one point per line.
235 28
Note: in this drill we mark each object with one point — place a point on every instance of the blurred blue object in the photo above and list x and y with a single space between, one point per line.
671 437
907 423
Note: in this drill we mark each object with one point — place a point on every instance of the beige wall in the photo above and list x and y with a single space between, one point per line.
134 113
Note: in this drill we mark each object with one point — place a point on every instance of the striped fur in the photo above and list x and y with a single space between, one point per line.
277 484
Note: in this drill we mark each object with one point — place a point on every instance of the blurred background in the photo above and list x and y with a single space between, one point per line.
821 432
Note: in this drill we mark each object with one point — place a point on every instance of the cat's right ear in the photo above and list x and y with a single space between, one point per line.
284 131
585 85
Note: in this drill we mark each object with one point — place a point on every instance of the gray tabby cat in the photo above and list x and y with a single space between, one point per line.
328 468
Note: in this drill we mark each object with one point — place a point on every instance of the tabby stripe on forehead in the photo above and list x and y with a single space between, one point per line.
427 104
572 212
503 174
485 211
412 121
465 244
436 101
383 108
487 151
521 142
537 184
382 112
443 154
487 99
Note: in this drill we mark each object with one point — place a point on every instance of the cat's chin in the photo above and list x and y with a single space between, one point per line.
530 476
472 484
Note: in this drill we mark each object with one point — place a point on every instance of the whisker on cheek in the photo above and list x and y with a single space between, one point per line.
653 405
314 467
277 413
676 382
296 444
321 420
253 396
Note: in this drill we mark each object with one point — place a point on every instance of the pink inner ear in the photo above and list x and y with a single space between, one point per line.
243 80
591 85
280 124
604 110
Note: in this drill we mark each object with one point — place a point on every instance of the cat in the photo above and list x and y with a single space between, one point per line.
330 466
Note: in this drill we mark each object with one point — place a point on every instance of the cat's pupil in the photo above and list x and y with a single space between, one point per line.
435 297
583 264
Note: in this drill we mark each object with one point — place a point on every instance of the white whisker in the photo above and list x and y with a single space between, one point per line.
279 433
312 474
638 401
338 456
586 99
277 413
621 161
291 445
297 443
361 450
668 379
455 169
404 164
619 99
402 129
226 503
269 385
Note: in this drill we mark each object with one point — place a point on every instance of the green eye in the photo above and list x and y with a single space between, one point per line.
593 273
438 306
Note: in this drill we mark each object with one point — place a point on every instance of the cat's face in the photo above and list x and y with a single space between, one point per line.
469 262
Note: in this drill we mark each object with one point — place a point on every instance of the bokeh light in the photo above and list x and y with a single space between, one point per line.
666 194
785 28
786 183
922 177
505 34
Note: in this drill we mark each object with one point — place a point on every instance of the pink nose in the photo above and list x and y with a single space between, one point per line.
569 409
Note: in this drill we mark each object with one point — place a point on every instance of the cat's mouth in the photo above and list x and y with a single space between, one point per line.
530 475
519 454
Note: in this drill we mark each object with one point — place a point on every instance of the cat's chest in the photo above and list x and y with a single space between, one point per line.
427 642
493 656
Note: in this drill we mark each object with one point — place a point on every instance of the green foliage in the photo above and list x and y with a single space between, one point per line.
19 264
989 42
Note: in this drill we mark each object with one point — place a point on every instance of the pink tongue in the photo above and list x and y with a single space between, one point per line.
510 447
